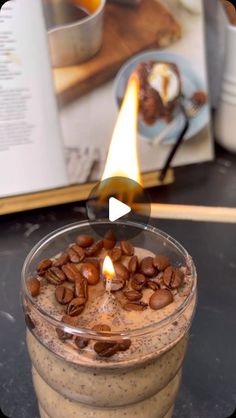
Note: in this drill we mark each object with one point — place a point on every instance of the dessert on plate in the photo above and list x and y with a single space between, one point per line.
160 89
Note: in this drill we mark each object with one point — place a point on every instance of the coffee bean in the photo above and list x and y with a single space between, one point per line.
181 277
43 266
138 281
168 276
151 285
90 272
71 272
135 306
94 248
79 251
73 256
160 299
62 335
64 295
101 327
55 276
110 235
76 306
81 342
106 349
84 241
124 345
61 260
121 270
70 320
81 288
135 285
117 284
127 248
173 277
33 286
161 262
108 244
147 267
115 254
139 278
94 261
133 264
109 240
133 295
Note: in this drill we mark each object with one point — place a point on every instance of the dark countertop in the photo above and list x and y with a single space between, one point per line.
208 388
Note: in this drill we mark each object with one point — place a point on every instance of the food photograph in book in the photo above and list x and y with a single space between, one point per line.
95 46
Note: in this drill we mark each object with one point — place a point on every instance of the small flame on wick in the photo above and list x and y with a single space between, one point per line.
122 159
108 272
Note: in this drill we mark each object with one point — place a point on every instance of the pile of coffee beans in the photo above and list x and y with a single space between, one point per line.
80 266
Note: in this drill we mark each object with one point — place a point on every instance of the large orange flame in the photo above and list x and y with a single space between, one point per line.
122 159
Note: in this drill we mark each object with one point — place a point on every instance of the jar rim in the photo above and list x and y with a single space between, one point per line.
102 335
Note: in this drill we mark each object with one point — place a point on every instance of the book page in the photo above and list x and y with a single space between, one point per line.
89 91
31 148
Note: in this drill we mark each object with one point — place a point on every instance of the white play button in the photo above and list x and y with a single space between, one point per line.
113 203
117 209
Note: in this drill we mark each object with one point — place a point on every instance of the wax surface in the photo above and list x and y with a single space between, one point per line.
103 308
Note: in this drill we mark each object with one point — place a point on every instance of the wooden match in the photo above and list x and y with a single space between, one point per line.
193 213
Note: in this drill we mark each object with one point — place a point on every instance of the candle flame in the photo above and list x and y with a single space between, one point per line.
108 272
122 159
108 268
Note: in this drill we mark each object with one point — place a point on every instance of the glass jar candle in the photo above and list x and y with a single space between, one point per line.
141 381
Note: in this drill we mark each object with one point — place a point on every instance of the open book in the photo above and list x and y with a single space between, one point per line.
51 133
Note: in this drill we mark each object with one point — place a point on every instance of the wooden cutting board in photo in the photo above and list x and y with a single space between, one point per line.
127 31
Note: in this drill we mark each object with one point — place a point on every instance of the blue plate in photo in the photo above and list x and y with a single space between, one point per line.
191 82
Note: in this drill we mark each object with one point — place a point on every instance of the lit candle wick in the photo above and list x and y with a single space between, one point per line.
108 272
110 308
108 283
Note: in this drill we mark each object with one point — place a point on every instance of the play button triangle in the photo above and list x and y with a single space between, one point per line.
117 209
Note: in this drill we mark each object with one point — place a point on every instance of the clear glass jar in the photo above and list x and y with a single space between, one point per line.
142 381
